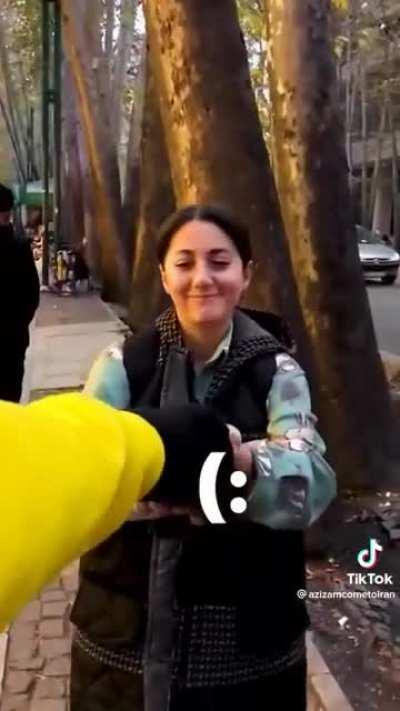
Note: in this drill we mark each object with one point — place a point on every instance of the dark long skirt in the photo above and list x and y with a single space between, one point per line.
96 687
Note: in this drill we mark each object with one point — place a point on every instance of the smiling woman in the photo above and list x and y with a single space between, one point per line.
205 271
203 628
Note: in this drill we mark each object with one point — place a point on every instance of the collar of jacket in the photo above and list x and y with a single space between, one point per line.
248 341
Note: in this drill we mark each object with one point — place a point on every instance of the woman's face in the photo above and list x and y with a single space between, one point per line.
204 274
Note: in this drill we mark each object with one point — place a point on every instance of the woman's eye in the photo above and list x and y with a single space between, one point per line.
183 264
218 263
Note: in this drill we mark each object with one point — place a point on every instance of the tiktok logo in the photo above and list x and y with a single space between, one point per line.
368 557
208 489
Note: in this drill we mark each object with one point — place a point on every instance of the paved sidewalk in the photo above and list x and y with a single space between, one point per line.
35 654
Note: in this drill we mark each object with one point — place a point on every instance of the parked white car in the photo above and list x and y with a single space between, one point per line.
379 260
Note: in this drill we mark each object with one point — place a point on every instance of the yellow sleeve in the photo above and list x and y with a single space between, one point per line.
71 470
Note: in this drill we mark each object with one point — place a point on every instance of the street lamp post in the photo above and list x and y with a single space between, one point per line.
51 124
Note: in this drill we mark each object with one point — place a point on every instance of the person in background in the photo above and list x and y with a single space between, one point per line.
19 299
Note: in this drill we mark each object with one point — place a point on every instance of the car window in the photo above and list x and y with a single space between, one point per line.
366 237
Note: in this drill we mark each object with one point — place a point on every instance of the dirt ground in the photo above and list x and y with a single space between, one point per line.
359 639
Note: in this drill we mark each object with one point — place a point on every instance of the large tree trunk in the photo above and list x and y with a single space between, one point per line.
311 172
212 129
156 203
100 150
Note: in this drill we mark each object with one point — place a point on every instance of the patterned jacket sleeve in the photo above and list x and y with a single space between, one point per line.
294 482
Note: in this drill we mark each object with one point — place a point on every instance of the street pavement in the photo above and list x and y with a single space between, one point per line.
385 307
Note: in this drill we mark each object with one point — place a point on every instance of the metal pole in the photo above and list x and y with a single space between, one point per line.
57 126
45 138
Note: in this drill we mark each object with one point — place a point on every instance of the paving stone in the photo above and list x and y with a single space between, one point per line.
57 667
32 664
20 648
49 705
23 630
31 613
18 682
15 702
53 596
53 648
51 628
54 609
50 689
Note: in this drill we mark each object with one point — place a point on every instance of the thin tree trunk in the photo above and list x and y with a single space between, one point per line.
127 24
354 92
349 78
364 144
312 181
15 121
156 203
18 160
132 178
109 36
101 153
10 108
213 133
378 159
395 176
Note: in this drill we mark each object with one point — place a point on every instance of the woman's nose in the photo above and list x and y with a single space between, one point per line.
201 275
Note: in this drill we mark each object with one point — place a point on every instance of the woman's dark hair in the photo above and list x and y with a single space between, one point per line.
217 215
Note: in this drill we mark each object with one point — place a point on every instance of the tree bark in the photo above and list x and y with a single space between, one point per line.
101 153
213 133
93 246
378 159
312 180
10 109
364 144
19 165
73 228
156 203
395 176
132 177
109 38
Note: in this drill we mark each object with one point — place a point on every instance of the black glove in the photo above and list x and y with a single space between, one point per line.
189 433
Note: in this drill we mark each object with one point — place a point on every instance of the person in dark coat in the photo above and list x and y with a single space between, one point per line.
19 299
